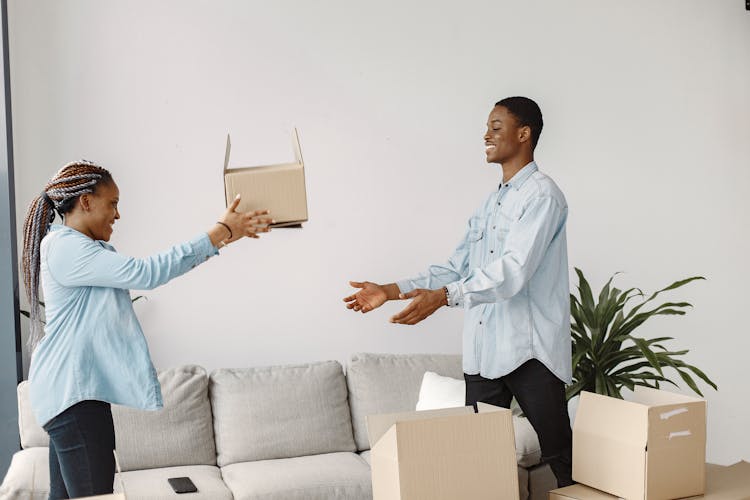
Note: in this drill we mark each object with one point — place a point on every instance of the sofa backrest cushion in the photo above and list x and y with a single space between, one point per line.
389 383
32 434
181 433
280 412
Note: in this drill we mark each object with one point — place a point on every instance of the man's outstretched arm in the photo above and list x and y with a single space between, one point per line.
372 295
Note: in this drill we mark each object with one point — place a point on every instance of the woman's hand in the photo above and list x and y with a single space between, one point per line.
234 225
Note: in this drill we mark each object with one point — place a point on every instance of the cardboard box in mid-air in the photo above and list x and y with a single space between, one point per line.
279 188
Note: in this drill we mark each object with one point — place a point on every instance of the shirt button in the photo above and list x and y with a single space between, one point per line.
492 251
480 322
493 227
456 303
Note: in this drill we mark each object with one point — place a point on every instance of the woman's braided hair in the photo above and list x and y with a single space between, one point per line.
59 195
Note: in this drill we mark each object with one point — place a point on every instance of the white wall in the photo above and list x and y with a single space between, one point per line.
647 125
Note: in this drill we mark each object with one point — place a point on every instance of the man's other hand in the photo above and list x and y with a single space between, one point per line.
424 303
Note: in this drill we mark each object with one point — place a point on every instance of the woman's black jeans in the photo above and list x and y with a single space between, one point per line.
81 444
541 396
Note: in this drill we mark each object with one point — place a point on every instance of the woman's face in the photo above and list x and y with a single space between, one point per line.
100 210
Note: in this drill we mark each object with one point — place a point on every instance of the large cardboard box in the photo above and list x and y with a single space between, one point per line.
279 188
722 483
650 448
444 455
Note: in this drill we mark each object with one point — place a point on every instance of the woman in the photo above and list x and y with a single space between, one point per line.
94 352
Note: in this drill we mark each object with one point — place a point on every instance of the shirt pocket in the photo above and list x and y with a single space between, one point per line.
475 240
505 217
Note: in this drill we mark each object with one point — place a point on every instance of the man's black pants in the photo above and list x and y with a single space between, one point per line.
541 396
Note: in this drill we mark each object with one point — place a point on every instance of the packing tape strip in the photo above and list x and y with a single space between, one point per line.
669 414
679 434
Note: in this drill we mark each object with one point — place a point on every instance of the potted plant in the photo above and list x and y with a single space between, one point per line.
607 356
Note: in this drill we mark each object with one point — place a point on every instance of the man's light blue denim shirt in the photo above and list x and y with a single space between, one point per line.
510 274
94 348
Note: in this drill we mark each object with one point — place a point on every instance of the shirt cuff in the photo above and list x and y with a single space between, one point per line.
203 248
455 294
405 286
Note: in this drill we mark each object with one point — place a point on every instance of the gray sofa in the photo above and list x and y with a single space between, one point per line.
286 432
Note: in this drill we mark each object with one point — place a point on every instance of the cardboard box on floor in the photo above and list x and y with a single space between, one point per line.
278 188
650 448
444 454
722 483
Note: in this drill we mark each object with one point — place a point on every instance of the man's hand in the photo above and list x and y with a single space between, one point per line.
425 303
371 296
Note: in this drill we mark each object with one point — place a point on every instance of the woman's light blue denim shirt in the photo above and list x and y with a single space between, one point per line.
94 348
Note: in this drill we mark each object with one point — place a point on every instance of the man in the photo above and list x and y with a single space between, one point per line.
510 274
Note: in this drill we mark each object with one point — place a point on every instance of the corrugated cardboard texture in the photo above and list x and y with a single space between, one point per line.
377 425
386 481
278 188
676 445
722 483
442 457
650 448
609 446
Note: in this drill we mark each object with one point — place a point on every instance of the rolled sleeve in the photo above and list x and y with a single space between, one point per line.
455 294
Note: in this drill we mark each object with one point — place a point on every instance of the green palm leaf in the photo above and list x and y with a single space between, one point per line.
607 357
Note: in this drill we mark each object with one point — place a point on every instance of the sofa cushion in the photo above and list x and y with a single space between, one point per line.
332 476
25 464
181 433
523 483
151 484
389 383
31 432
280 412
528 451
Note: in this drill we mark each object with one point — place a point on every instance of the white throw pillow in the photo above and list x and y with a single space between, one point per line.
440 392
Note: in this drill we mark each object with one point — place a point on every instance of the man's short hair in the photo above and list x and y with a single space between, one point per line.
527 113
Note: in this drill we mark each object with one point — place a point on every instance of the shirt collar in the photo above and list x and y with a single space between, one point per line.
522 175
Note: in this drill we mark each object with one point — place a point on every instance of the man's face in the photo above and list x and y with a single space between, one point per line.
502 140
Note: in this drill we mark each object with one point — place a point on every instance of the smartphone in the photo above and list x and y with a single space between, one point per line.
182 485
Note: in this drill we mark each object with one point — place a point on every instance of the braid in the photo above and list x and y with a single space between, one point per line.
60 194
